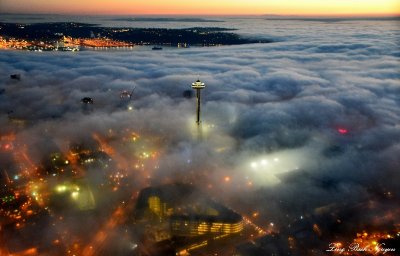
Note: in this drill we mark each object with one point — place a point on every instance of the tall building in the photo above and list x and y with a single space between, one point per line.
198 86
189 212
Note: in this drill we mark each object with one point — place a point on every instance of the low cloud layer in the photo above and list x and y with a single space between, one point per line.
270 111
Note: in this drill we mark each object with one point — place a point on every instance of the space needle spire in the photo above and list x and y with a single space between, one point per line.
198 85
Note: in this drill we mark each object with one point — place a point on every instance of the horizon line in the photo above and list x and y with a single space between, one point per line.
366 15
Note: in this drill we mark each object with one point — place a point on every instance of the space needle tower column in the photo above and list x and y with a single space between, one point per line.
198 85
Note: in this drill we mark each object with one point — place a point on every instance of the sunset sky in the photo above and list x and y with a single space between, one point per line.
205 7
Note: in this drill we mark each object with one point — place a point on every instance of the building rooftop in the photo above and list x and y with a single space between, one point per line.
188 203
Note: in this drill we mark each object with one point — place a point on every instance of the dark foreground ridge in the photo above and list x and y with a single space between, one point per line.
55 32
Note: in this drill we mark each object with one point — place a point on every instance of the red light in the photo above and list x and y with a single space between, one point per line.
342 130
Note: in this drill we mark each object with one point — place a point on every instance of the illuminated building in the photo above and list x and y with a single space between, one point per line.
193 214
201 225
156 206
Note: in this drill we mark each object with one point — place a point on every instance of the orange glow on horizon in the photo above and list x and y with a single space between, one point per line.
206 7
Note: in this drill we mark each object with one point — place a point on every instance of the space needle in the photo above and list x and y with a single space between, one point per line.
198 85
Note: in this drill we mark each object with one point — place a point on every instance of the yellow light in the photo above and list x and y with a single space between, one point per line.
75 194
61 188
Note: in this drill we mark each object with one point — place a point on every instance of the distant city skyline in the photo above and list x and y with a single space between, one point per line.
206 7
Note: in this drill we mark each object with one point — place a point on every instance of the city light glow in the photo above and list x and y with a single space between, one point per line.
265 169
